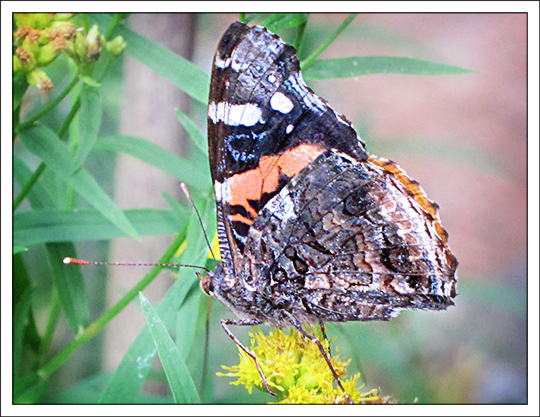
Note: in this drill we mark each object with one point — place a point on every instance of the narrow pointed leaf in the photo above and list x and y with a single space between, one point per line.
182 169
364 65
129 376
180 381
44 143
19 249
187 76
20 320
89 122
198 138
41 226
280 21
69 283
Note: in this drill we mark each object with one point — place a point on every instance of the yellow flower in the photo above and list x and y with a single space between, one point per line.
295 369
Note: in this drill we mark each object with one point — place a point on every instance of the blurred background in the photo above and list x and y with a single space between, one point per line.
463 137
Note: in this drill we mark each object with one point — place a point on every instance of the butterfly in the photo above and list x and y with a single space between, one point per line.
311 227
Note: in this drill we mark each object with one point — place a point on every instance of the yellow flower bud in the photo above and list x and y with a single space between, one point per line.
59 17
39 79
21 33
64 29
116 46
94 42
17 65
23 19
80 45
36 20
93 34
27 59
42 20
70 50
48 53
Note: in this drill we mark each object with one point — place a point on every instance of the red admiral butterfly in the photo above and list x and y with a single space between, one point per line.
311 228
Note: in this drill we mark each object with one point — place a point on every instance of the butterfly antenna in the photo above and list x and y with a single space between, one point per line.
186 192
69 260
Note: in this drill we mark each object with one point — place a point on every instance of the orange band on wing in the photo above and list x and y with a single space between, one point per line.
239 218
252 184
417 192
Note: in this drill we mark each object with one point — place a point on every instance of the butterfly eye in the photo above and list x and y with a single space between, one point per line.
206 283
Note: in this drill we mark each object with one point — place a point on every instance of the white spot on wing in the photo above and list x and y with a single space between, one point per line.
217 190
281 103
289 129
222 191
222 63
234 114
310 99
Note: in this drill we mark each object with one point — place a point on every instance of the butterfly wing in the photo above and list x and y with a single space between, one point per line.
264 126
351 240
308 223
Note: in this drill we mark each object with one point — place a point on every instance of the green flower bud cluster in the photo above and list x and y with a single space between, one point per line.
41 37
38 40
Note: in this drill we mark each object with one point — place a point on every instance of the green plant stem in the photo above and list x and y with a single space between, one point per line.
116 20
310 59
50 106
28 186
94 328
69 118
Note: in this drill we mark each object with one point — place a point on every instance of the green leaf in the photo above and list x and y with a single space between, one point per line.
364 65
129 377
86 391
178 210
327 42
29 388
280 21
69 283
185 170
180 381
256 16
187 76
41 226
44 143
39 196
198 138
21 282
21 316
185 325
89 122
20 85
19 249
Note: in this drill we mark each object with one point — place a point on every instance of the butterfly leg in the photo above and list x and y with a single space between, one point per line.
224 324
298 327
323 332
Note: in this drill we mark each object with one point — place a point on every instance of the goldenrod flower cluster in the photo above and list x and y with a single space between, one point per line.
295 369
